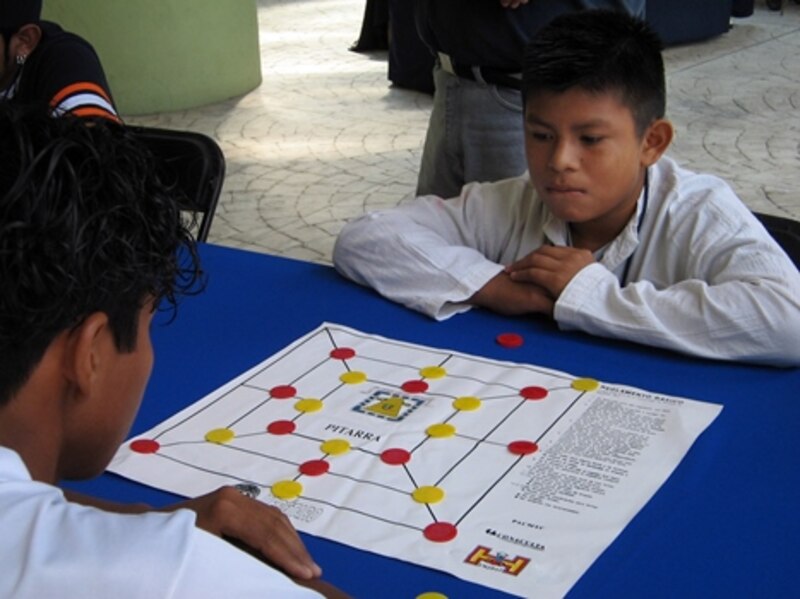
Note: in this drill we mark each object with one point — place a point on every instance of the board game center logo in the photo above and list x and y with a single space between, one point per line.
388 405
501 562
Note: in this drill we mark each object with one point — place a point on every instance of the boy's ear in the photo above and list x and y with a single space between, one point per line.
25 40
87 355
656 140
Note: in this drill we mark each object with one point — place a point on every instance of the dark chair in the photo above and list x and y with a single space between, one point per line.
786 232
194 164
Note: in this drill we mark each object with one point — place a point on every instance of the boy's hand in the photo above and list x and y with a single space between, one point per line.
550 267
505 296
261 529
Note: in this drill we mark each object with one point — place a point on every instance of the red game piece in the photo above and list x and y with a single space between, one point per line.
342 353
414 386
440 532
281 427
145 446
510 339
523 447
283 392
395 456
314 467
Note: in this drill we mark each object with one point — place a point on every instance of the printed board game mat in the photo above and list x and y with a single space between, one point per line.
507 475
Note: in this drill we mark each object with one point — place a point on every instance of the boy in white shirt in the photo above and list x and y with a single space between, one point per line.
604 233
89 247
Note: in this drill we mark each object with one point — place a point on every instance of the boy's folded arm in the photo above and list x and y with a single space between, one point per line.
753 320
506 296
431 268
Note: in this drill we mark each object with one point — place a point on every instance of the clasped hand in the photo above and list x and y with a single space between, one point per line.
550 267
532 284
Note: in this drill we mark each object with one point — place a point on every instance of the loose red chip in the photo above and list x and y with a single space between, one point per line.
509 339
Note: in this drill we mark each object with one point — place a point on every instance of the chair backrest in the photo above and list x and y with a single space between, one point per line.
786 232
194 164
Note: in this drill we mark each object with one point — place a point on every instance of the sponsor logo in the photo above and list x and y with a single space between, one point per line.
500 562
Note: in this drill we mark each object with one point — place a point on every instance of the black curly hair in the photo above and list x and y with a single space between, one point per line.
600 51
85 226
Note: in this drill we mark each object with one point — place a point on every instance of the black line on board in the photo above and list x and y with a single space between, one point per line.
410 476
248 412
365 514
487 491
208 470
560 416
430 511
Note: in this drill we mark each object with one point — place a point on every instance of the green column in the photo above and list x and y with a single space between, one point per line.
165 55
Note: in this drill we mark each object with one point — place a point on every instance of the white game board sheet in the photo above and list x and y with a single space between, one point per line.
507 475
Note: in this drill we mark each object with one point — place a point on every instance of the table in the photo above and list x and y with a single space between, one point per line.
724 524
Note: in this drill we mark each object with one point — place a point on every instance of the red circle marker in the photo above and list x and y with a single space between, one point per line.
440 532
395 457
510 339
145 446
283 392
342 353
314 467
281 427
533 393
414 386
523 447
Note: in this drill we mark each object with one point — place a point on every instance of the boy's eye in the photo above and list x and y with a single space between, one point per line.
541 135
590 140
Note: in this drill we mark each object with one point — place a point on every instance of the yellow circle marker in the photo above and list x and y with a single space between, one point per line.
431 595
353 378
220 435
433 372
466 403
585 384
335 446
287 489
441 431
308 405
428 495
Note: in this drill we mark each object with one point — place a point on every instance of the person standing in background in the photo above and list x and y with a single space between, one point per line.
475 131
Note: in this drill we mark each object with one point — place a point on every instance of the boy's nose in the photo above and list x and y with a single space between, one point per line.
563 156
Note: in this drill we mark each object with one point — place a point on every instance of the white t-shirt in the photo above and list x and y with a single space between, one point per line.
701 275
50 547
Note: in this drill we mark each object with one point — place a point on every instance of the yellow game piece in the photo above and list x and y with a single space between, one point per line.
466 403
441 431
431 595
335 446
585 384
220 435
353 377
428 495
308 405
287 489
432 372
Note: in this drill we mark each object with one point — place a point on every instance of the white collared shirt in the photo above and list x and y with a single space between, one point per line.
51 547
705 277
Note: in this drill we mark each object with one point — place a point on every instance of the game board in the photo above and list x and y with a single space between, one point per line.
508 475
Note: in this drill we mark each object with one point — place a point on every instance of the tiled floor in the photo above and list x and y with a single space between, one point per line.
325 137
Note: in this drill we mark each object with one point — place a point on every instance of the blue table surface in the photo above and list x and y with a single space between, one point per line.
723 525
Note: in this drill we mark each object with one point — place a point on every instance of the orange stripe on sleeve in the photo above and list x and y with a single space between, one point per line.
81 86
94 111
